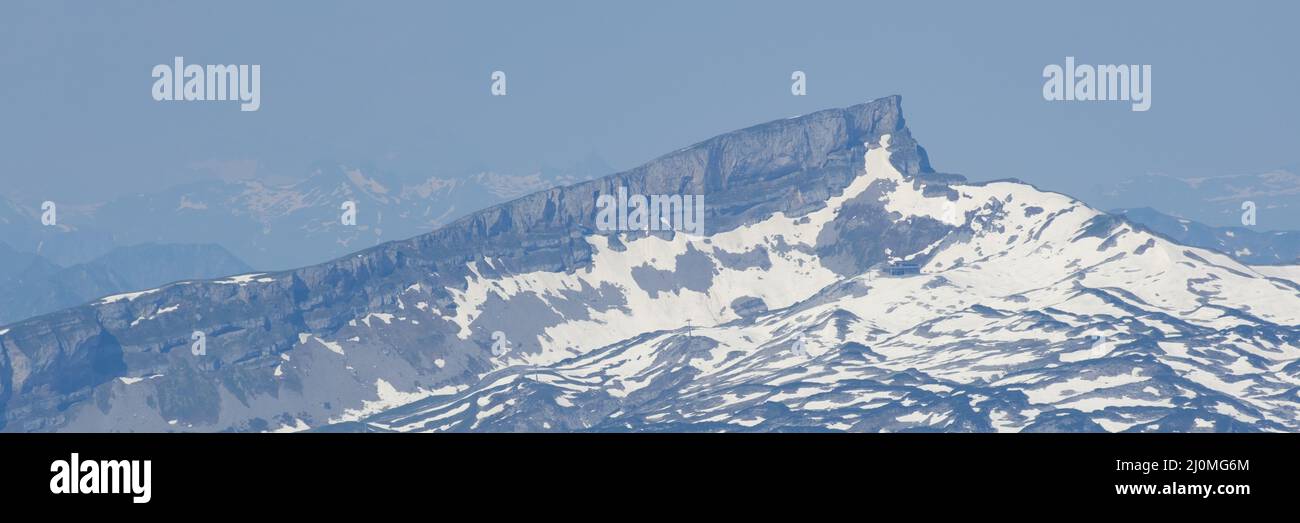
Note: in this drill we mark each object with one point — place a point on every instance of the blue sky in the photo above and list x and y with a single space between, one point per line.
404 86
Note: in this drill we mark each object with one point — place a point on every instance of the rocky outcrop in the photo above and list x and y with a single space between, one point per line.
72 369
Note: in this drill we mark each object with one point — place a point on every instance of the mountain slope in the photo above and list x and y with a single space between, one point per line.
1035 313
840 284
1242 243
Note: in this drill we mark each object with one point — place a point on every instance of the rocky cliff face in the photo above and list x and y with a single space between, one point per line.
839 285
302 348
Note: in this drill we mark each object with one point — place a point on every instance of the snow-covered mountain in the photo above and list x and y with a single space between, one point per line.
841 285
1030 312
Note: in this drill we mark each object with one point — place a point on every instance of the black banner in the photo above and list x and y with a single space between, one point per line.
307 473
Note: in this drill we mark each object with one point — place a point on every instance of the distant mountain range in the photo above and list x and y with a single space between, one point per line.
31 285
1214 201
268 226
188 231
1245 244
841 284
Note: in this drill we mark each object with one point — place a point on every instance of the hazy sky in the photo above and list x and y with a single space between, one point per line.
405 85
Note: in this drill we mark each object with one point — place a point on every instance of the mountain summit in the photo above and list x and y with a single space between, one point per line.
840 284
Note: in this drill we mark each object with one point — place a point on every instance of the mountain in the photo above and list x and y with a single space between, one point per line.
13 262
272 226
1244 244
1212 200
73 238
36 286
840 284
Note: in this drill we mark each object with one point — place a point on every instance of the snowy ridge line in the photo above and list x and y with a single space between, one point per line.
885 336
